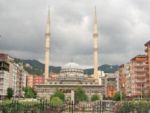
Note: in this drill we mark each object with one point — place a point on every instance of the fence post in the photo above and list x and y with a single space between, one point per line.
101 107
135 111
72 106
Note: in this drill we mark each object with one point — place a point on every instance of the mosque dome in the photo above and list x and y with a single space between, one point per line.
72 65
72 71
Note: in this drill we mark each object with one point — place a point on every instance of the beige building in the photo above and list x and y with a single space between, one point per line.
72 74
70 77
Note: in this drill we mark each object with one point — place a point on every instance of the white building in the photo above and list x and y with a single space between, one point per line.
12 75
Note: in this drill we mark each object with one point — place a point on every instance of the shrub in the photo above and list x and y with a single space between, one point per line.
132 106
95 97
56 101
59 94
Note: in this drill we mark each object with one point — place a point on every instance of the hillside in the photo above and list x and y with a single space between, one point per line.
106 68
36 67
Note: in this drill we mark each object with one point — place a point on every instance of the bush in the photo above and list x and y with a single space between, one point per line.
10 93
132 106
59 94
118 96
29 92
95 97
56 101
80 95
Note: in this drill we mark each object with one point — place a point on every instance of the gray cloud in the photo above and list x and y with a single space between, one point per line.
123 29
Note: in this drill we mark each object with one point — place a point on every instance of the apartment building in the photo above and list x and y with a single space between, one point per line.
34 80
139 75
4 74
134 77
11 75
147 50
111 83
30 80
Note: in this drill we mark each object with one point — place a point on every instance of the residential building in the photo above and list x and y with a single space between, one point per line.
12 75
122 78
30 81
34 80
111 83
147 50
139 75
38 80
134 77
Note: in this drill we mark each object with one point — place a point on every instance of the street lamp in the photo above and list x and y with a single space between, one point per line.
121 92
141 91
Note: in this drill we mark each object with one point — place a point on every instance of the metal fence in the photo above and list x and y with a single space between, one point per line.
132 107
46 107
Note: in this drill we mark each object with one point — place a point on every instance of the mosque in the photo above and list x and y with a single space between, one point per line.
72 74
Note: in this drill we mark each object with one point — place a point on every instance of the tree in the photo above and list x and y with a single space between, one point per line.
118 96
146 93
80 95
10 93
95 97
55 101
29 92
59 94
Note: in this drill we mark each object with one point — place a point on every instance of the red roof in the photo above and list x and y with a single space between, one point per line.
147 43
3 56
139 56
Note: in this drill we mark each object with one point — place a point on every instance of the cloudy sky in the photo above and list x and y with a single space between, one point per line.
123 25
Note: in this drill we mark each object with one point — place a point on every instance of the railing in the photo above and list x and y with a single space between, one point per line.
132 107
46 107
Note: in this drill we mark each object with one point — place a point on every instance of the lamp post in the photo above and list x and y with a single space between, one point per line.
121 92
141 91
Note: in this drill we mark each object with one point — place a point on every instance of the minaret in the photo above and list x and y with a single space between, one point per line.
95 47
47 46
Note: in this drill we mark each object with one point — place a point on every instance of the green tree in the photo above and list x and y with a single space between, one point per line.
146 93
55 101
29 92
119 96
10 93
59 94
95 97
80 95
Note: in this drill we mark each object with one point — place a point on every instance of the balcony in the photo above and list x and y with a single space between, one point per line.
146 50
140 71
139 83
141 77
141 66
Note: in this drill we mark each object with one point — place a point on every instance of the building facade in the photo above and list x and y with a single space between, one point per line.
72 74
147 50
30 81
111 84
134 77
139 75
12 75
34 80
70 77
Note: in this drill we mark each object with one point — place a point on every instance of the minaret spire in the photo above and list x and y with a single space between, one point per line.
95 46
47 46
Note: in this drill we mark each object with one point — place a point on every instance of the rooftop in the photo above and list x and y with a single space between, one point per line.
147 43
